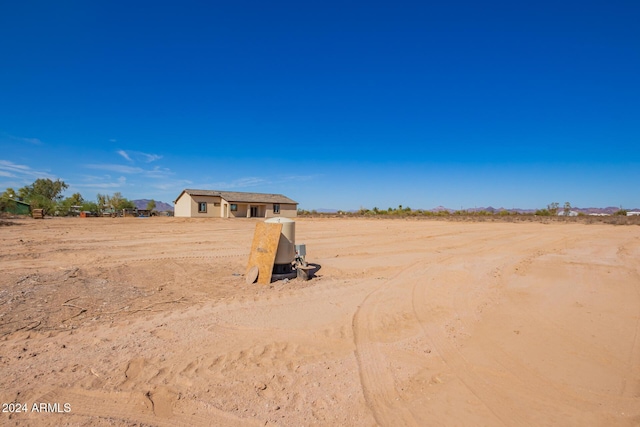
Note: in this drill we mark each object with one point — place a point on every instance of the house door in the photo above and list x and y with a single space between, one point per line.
254 211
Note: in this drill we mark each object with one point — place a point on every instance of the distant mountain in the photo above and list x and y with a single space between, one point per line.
493 210
608 210
160 206
440 209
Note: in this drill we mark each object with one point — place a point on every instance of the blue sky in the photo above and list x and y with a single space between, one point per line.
334 104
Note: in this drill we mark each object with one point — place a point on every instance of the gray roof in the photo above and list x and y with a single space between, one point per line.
240 197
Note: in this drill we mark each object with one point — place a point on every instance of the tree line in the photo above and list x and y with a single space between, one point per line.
47 195
552 209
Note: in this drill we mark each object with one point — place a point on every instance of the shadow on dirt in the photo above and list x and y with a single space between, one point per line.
316 268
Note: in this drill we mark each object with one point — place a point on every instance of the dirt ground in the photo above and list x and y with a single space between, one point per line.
149 322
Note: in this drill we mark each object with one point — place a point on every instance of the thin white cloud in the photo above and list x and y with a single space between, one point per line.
23 140
238 183
15 175
133 156
248 182
124 154
297 178
102 186
14 170
176 186
94 178
7 165
150 157
34 141
119 183
156 172
113 140
116 168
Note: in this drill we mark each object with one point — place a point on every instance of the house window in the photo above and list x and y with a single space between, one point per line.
276 209
202 207
234 207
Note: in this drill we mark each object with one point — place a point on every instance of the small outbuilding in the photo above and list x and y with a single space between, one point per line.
233 204
15 207
570 213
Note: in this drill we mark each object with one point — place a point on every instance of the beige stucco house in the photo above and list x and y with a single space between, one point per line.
233 204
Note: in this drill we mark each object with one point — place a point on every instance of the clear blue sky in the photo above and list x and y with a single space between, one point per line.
334 104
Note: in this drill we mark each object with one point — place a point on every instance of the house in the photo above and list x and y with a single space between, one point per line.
633 213
233 204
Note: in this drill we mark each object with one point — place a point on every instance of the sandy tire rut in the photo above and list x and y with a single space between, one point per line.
506 386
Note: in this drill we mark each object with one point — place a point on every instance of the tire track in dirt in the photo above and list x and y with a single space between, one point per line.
427 299
469 372
377 381
425 303
378 384
551 396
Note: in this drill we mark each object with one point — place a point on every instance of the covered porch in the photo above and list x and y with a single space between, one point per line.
245 210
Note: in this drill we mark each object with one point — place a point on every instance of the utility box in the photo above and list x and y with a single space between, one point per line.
286 251
301 250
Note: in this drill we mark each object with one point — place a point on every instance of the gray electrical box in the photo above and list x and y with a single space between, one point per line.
301 250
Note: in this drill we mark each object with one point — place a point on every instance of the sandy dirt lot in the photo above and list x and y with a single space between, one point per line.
149 322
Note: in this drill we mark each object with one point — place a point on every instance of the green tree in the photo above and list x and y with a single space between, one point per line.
151 205
102 202
6 197
128 204
567 208
9 193
115 202
91 207
553 208
70 204
118 202
43 194
363 210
